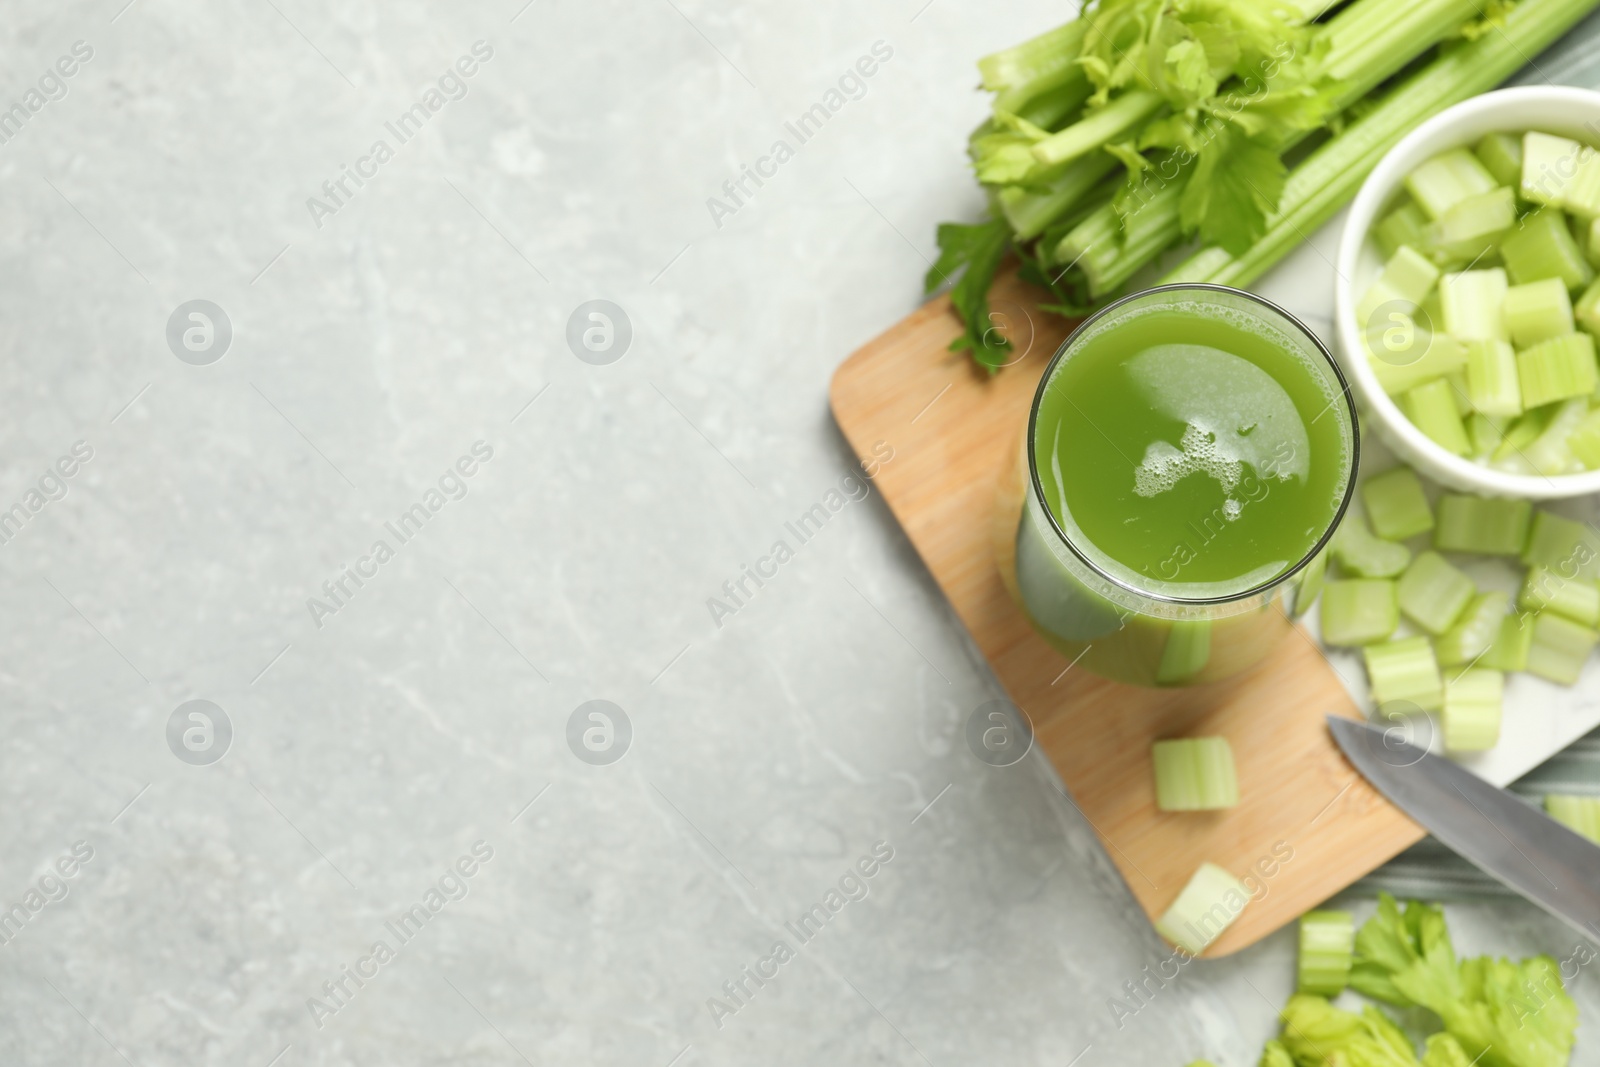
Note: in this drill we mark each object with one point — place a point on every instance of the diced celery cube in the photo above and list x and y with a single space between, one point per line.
1509 651
1486 431
1472 702
1585 441
1579 813
1559 648
1492 382
1404 356
1501 156
1447 179
1433 593
1524 431
1194 774
1573 598
1358 611
1569 548
1409 273
1474 632
1551 452
1204 909
1549 163
1473 304
1591 246
1362 554
1557 369
1538 311
1405 225
1542 247
1327 939
1432 409
1404 670
1582 197
1489 526
1473 225
1396 504
1381 301
1587 309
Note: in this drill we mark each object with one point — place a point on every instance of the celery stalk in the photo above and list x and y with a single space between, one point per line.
1194 774
1473 304
1538 311
1501 155
1433 593
1581 814
1358 611
1327 946
1509 650
1542 247
1571 598
1488 526
1432 409
1396 504
1556 369
1492 382
1474 632
1569 548
1204 908
1559 648
1404 671
1472 703
1109 123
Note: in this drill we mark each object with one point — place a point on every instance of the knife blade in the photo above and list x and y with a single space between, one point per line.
1508 838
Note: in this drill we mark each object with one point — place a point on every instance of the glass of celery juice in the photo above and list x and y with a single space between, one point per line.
1190 450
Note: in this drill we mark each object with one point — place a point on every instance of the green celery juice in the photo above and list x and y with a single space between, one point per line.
1188 452
1193 448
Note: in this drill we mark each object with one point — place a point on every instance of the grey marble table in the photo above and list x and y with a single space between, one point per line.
394 745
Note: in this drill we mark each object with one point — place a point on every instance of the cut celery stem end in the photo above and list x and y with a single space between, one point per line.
1549 163
1501 155
1433 593
1493 385
1327 948
1557 369
1472 705
1194 774
1404 672
1024 62
1187 651
1571 598
1403 355
1473 303
1509 650
1559 648
1538 311
1585 441
1361 554
1358 611
1396 505
1432 409
1206 906
1097 127
1550 452
1580 814
1475 632
1571 549
1542 247
1440 183
1487 526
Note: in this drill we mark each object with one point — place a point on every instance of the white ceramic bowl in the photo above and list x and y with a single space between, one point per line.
1555 109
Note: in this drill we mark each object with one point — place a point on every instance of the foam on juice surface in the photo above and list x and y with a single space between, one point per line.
1233 412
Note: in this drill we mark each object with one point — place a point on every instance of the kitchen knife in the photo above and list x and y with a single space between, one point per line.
1507 837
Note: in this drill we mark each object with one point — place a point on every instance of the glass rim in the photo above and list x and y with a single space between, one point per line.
1293 321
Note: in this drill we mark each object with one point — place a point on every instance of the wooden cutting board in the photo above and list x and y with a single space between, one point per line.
953 431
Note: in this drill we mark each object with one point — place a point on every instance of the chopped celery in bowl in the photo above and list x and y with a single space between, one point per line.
1468 304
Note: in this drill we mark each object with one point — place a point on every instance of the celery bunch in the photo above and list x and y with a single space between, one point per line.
1145 124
